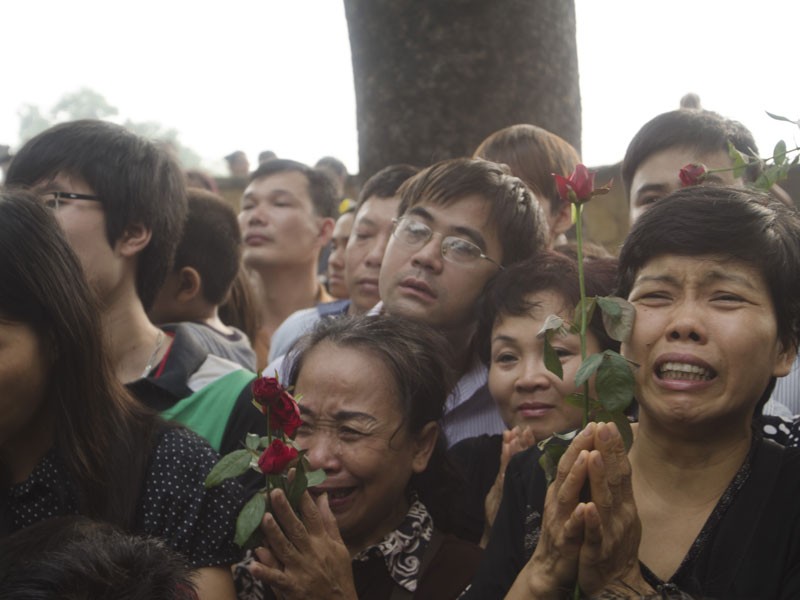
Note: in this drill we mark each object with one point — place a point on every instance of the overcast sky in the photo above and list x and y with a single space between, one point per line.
276 74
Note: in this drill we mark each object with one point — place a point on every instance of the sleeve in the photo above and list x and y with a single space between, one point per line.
477 461
518 517
177 508
245 418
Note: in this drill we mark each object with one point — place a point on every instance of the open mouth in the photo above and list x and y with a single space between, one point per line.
684 372
333 493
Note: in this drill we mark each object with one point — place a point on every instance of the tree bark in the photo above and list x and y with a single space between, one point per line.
433 78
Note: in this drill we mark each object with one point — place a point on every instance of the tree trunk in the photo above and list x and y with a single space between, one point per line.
433 78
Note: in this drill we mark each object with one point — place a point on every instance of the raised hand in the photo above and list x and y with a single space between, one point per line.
514 440
303 559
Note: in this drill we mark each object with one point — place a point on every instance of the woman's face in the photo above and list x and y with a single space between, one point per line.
353 429
706 340
23 375
526 392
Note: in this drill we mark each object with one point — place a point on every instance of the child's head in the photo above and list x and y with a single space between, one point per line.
514 309
206 261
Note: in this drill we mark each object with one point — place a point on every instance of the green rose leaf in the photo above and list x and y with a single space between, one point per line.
575 399
739 160
551 360
230 465
551 323
618 317
315 477
622 423
779 153
553 449
614 382
297 486
780 118
252 441
587 369
590 304
250 518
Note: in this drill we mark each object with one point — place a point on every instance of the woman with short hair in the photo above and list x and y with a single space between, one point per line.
701 504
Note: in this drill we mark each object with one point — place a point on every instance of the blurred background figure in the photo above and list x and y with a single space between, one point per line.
195 178
265 156
238 165
337 285
335 169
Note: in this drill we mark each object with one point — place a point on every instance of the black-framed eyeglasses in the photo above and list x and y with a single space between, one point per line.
457 250
53 200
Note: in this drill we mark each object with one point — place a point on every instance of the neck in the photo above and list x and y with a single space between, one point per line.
460 342
389 524
283 290
216 323
131 338
695 469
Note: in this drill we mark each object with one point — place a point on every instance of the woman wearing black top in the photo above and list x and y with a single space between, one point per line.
701 504
72 440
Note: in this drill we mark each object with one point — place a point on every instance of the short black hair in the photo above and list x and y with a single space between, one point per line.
507 293
702 130
211 243
137 181
738 223
386 182
418 359
519 221
75 557
320 188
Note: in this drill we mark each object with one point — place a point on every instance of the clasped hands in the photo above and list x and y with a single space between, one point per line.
595 543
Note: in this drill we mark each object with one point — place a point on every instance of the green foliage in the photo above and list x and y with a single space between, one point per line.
87 103
618 317
551 360
614 382
773 169
250 518
231 465
252 441
587 368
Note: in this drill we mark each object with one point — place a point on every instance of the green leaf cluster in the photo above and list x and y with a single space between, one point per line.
293 483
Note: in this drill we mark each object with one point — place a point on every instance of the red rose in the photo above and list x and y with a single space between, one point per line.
578 187
276 458
266 389
284 414
692 174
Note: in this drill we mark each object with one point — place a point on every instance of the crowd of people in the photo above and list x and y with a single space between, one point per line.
137 307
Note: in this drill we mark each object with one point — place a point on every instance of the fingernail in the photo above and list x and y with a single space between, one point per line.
603 432
579 509
581 458
597 458
589 429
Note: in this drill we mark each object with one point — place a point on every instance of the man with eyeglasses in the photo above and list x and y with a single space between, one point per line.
460 222
121 202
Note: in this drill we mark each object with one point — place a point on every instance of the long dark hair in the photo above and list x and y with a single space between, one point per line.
102 434
417 358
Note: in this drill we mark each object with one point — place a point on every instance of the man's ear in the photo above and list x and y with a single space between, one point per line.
133 240
425 443
325 231
190 285
561 220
